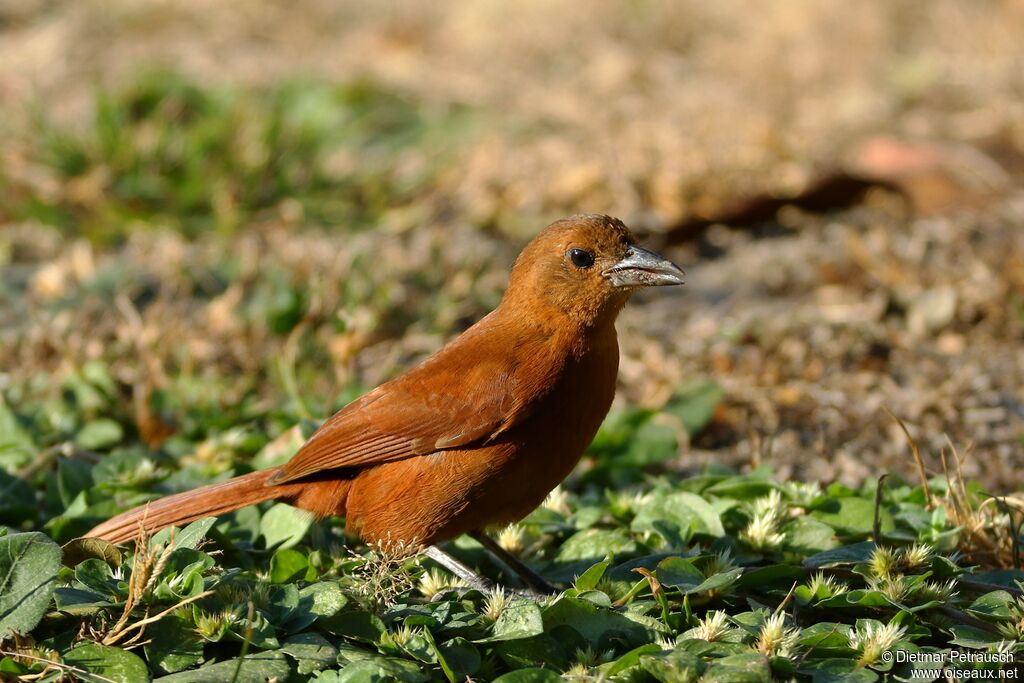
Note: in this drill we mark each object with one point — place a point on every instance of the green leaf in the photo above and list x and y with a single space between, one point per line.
77 550
96 575
111 663
973 638
852 516
596 624
312 651
73 477
189 537
695 405
28 571
782 575
17 499
382 670
628 439
826 639
1006 578
283 526
676 666
584 548
543 649
679 572
532 675
99 434
323 599
847 554
193 534
458 659
520 619
630 659
744 487
256 668
856 598
739 668
589 579
288 565
682 574
993 605
173 644
78 602
682 513
358 625
837 670
807 536
16 446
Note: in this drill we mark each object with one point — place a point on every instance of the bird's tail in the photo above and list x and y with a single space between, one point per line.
207 501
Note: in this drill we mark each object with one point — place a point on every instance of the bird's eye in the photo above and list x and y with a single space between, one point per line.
581 258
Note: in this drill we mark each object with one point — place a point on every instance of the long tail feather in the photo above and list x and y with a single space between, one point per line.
182 508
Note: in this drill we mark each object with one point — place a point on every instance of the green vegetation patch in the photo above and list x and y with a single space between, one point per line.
718 576
168 152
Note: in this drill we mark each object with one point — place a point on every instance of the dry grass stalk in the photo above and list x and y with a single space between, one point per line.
988 536
149 564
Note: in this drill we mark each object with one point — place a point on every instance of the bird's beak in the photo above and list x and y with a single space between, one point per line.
642 268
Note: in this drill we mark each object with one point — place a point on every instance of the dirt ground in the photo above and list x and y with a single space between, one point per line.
841 181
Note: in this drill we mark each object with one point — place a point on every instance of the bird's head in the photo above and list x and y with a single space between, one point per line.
587 266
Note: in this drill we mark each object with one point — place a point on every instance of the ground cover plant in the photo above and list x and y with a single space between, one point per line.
718 576
194 273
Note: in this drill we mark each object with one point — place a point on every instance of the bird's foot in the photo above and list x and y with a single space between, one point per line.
534 581
473 581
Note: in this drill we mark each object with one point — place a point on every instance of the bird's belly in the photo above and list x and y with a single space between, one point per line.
437 497
433 498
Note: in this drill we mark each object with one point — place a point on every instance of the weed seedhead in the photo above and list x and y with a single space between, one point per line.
434 581
713 626
872 638
776 639
883 562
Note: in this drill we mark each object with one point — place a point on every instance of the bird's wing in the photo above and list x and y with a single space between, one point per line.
469 392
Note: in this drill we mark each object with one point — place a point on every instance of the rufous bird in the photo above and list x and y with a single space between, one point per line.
479 433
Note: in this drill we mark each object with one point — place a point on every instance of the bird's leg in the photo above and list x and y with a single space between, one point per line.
467 575
531 578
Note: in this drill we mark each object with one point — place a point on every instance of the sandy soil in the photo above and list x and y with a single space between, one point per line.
816 320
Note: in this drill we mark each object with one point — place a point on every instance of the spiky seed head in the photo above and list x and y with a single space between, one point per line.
804 493
496 602
775 639
917 556
557 501
829 586
772 504
434 581
872 638
719 563
768 513
713 626
665 642
762 533
210 624
1014 630
577 672
934 590
591 657
402 635
895 588
511 538
883 562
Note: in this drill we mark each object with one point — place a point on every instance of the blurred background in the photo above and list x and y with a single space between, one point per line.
220 219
